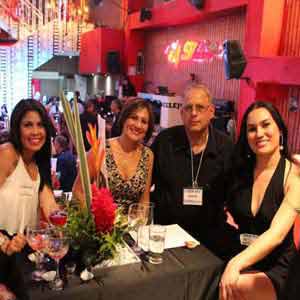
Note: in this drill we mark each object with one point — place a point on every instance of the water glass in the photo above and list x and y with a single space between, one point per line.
157 235
143 232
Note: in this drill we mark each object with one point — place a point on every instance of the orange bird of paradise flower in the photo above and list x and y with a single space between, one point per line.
95 143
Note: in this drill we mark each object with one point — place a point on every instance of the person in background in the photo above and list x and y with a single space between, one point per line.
231 126
264 183
128 161
25 185
128 89
115 107
79 101
192 162
3 113
193 80
66 163
89 116
148 87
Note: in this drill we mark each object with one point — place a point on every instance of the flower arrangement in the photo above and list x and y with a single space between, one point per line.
96 235
97 227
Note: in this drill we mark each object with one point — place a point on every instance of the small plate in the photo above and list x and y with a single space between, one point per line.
85 275
49 276
32 257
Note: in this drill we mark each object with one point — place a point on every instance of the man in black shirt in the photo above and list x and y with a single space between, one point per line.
191 163
115 107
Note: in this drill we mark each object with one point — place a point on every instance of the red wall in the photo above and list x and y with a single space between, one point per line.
292 119
290 41
95 45
161 72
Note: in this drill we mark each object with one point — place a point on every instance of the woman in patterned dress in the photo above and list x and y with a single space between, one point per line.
128 161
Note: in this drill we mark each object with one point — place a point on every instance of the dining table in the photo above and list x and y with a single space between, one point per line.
184 274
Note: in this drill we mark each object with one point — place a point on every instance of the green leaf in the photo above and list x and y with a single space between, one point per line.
74 126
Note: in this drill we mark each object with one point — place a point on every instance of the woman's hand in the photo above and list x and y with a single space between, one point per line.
228 289
16 244
5 294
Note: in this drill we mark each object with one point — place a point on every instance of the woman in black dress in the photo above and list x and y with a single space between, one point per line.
264 181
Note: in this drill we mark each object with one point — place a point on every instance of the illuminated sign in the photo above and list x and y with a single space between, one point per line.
201 51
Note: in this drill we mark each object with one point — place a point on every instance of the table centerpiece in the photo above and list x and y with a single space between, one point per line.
95 227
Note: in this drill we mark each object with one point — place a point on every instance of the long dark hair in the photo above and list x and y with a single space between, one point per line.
244 157
42 157
133 106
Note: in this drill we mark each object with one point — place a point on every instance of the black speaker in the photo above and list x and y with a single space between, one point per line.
197 3
113 62
234 59
145 14
97 2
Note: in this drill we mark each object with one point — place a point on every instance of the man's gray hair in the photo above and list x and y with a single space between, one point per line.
196 86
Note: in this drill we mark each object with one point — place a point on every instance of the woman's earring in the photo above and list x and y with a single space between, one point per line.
281 143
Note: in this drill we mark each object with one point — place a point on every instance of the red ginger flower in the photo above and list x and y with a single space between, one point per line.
103 209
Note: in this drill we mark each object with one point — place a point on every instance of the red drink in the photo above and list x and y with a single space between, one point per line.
58 218
58 254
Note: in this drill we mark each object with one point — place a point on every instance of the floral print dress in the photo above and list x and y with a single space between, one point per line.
127 191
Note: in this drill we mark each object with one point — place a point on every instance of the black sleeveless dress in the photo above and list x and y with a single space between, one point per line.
276 264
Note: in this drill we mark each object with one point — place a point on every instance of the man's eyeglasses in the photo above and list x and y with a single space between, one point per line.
188 108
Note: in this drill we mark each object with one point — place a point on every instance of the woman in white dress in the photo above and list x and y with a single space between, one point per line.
25 180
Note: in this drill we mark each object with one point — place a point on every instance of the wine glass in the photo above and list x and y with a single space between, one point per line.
36 237
57 247
137 216
58 217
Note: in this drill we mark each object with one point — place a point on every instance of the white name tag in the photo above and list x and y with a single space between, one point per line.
192 196
247 239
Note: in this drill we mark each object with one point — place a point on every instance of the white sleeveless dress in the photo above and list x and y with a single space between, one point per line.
19 200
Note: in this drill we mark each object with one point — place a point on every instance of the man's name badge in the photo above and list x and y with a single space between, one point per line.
247 239
192 196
